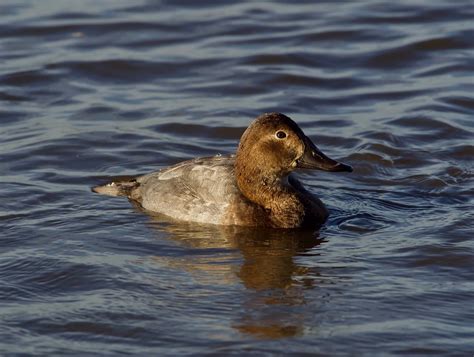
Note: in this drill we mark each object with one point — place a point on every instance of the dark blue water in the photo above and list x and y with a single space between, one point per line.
90 90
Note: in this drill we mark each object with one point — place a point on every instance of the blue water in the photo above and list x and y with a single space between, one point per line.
90 90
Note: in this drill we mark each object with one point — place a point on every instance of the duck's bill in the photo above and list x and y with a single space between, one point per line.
313 158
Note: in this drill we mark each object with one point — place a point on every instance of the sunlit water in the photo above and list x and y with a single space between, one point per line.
93 89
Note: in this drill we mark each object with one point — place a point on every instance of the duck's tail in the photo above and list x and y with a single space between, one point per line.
117 188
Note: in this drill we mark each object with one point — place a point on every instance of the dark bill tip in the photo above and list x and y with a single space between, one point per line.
340 167
313 158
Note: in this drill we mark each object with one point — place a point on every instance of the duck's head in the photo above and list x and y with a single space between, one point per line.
274 145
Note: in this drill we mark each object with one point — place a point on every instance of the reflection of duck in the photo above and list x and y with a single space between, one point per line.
252 188
260 259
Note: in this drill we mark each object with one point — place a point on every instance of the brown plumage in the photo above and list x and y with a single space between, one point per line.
253 188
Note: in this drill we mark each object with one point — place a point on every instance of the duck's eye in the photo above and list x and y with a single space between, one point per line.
280 134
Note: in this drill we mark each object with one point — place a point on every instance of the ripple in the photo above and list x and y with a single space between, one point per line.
431 126
11 98
95 90
128 71
441 69
46 276
295 80
362 223
194 130
462 104
24 78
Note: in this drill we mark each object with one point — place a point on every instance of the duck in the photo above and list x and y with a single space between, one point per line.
254 187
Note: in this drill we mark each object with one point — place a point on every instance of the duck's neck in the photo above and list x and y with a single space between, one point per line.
272 192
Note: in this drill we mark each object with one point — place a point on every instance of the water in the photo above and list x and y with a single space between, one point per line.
89 90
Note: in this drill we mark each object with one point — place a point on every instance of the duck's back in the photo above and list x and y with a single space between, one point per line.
199 190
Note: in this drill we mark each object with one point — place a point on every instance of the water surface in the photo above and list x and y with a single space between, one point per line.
90 90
